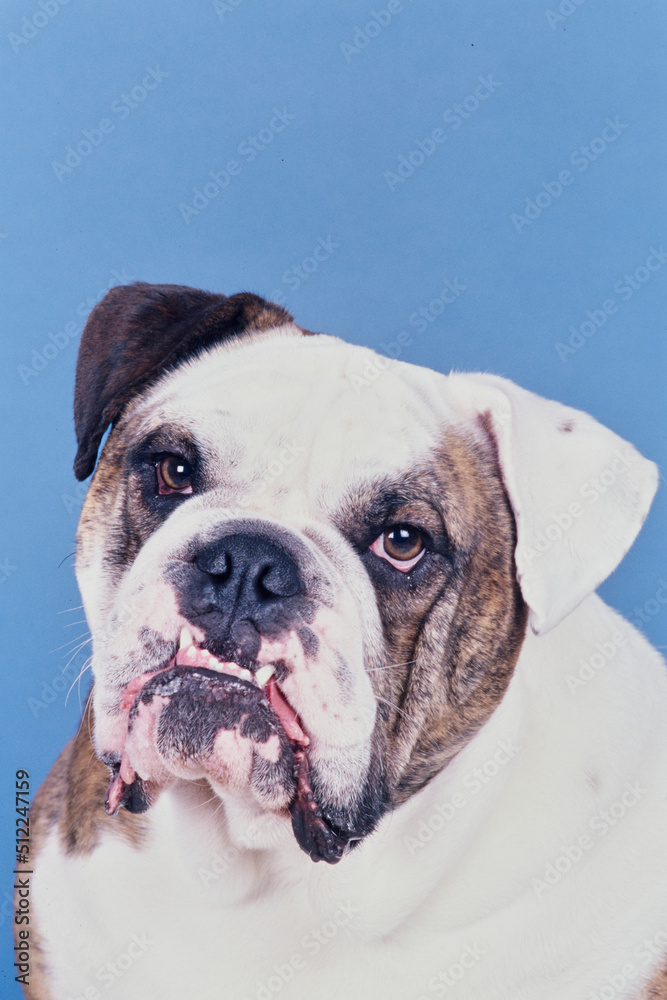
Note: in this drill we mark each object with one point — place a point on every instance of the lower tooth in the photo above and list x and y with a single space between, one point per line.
263 675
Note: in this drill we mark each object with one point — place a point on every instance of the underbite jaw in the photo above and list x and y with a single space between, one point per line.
192 654
192 659
192 665
221 696
189 654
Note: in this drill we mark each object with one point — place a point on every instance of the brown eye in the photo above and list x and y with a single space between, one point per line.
403 542
174 475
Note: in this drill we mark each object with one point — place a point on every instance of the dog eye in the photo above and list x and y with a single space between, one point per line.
402 546
174 475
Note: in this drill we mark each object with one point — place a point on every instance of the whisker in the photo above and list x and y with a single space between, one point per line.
74 653
76 639
202 805
90 735
91 760
392 666
394 707
78 678
85 667
68 611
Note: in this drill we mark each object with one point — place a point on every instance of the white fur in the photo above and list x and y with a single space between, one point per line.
450 896
414 909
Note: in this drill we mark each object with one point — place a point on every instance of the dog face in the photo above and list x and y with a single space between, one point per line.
307 587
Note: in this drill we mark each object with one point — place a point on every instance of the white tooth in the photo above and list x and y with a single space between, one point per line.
245 675
186 638
263 674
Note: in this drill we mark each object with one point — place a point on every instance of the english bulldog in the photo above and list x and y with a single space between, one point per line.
360 726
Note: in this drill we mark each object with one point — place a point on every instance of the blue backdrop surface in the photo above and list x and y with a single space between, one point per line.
486 179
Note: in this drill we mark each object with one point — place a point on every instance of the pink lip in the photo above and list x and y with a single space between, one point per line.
197 656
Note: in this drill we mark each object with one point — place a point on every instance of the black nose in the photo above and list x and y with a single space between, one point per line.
241 587
254 567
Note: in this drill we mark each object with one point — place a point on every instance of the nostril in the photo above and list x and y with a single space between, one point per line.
277 581
246 573
217 565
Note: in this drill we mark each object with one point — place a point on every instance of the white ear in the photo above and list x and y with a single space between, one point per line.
579 492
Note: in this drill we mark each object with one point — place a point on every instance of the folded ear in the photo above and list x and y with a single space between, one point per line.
579 492
138 332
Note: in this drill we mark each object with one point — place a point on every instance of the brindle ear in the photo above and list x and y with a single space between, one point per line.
139 331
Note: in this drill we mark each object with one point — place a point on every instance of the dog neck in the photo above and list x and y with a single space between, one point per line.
467 827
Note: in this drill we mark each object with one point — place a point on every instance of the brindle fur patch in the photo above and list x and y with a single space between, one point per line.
114 519
456 647
657 988
38 984
71 799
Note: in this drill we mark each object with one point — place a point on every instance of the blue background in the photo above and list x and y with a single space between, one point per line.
355 100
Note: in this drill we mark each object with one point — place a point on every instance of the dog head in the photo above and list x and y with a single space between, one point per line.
307 570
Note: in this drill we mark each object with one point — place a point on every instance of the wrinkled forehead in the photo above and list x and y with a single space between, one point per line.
327 401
